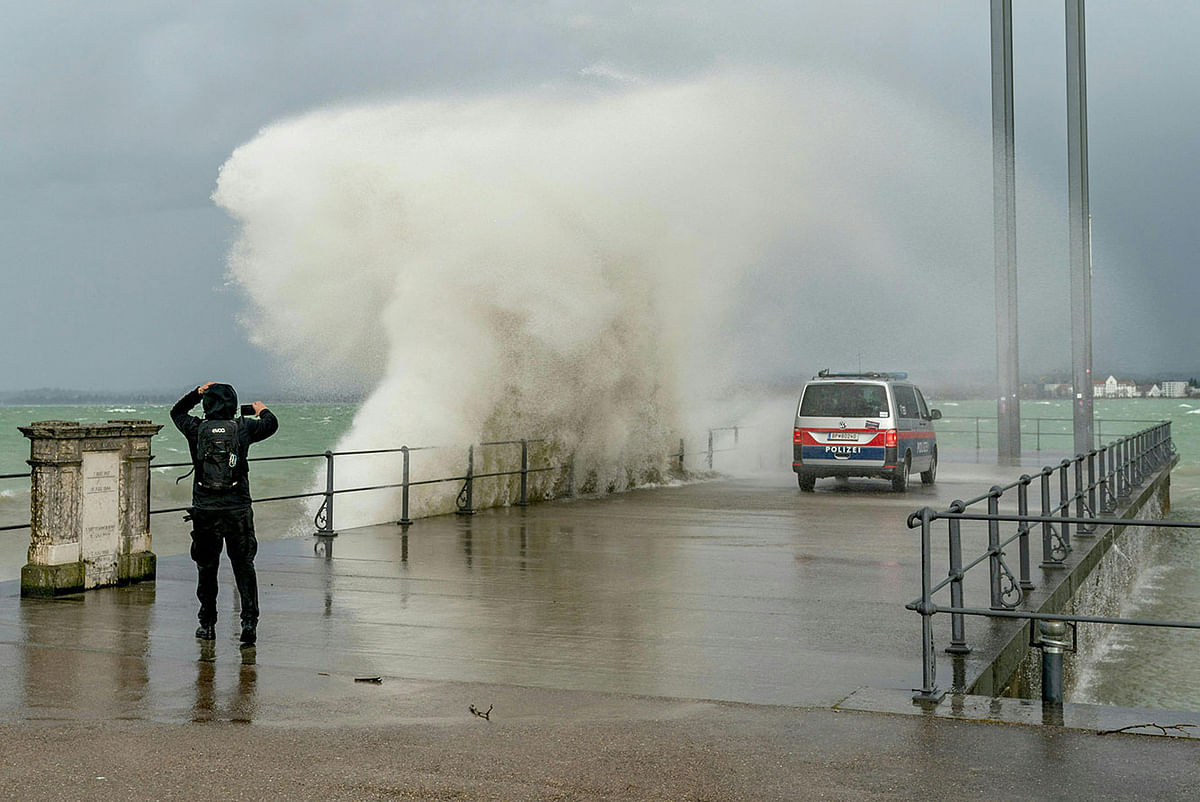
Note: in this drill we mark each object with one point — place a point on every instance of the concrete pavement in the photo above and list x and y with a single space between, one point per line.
717 640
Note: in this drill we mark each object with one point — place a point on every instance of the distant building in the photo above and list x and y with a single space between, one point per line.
1153 391
1175 389
1112 387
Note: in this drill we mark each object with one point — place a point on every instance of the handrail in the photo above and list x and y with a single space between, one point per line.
1090 487
323 520
1037 433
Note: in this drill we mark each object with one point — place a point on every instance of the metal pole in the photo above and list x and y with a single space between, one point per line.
1079 224
1091 479
466 507
928 692
1126 468
326 527
994 550
404 519
1053 640
1106 494
710 449
1004 211
524 502
958 634
1023 543
1080 506
1048 559
1064 503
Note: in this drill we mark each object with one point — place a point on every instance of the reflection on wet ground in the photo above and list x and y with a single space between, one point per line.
736 590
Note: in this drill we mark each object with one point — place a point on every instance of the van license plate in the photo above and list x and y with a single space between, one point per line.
843 436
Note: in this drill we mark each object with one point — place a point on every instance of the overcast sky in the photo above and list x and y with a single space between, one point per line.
118 117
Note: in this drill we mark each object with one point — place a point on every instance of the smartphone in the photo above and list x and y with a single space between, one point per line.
247 410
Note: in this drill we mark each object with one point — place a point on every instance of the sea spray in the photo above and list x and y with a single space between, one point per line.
596 272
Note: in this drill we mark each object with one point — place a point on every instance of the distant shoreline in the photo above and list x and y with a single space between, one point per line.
79 398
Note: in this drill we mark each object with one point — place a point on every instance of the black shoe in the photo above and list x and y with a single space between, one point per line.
206 632
249 634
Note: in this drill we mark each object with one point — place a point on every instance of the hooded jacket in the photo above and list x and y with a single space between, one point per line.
220 402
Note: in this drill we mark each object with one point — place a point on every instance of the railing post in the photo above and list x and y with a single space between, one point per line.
1048 559
1106 494
1064 503
994 573
1115 473
524 502
1091 479
977 434
681 453
735 437
1142 454
1080 507
467 494
1135 458
958 634
710 449
1026 582
324 519
1126 469
404 519
928 692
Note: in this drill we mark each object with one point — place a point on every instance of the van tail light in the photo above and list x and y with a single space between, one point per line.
796 436
889 438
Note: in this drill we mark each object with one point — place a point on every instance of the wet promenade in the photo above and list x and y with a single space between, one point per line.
691 642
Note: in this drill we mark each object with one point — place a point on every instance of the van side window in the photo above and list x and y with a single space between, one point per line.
906 402
922 406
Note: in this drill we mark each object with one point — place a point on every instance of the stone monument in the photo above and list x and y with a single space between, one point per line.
89 505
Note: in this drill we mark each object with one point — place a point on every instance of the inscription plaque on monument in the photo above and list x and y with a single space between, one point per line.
101 505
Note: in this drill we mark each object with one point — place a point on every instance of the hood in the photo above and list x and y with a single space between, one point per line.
220 402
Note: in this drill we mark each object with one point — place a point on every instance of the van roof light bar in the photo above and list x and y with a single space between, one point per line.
827 374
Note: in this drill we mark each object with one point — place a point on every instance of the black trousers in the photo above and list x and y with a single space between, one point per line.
235 530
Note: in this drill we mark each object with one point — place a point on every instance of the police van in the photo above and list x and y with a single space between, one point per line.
864 424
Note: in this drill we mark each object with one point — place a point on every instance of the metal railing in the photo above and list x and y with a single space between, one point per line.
1078 495
323 520
1059 427
13 527
710 450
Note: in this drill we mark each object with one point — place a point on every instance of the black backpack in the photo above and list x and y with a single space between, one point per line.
216 454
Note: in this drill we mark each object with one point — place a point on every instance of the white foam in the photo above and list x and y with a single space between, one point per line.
573 268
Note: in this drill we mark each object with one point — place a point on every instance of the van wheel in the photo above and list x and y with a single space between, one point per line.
806 481
927 477
900 480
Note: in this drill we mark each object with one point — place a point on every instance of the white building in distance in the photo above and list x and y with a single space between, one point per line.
1175 389
1112 387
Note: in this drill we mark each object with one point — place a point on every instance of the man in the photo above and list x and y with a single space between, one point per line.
221 512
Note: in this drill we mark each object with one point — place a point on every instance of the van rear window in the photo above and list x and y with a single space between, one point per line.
844 401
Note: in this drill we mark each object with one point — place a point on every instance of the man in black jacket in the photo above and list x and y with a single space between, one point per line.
221 511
